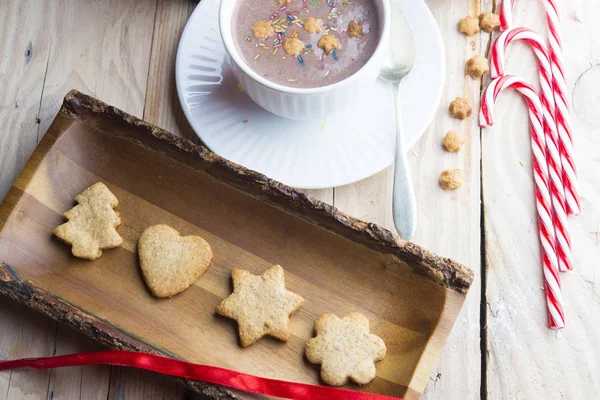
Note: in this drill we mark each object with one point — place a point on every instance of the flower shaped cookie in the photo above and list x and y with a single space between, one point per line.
345 349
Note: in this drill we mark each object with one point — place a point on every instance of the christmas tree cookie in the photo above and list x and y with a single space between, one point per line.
92 223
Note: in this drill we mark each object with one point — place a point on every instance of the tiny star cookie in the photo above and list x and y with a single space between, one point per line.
453 141
451 179
469 25
262 30
460 108
92 223
293 46
312 25
355 30
328 43
260 304
477 66
345 349
489 22
171 263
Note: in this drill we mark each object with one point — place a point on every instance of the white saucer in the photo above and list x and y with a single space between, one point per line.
315 154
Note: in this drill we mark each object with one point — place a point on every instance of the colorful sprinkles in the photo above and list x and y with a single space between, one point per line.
286 23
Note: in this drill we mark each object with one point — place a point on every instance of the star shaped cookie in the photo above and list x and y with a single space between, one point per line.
345 349
260 304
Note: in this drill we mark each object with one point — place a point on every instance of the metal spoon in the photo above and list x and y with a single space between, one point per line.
399 62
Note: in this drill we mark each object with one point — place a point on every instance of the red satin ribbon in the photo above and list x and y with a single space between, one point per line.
204 373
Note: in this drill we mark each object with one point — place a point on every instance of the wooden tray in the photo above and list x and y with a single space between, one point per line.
337 263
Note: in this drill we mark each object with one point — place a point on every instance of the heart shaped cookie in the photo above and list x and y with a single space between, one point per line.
171 263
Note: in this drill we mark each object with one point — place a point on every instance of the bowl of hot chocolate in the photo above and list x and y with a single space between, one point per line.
303 59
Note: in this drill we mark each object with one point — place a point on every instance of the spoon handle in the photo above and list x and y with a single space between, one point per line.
404 206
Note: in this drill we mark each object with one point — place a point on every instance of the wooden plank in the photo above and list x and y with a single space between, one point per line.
128 383
162 106
71 48
107 57
77 382
525 358
24 333
114 67
442 215
458 373
25 50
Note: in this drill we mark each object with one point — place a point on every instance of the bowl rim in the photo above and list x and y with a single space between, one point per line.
225 22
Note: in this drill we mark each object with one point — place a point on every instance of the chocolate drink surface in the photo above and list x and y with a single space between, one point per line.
305 44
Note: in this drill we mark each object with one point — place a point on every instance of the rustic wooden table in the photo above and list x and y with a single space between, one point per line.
123 52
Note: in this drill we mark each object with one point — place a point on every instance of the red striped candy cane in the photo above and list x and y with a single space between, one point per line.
559 87
556 319
505 14
559 216
562 116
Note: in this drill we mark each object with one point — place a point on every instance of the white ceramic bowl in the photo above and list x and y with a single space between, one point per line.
303 103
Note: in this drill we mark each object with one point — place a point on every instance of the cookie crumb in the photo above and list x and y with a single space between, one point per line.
489 22
460 108
451 179
477 66
293 46
453 141
469 25
312 25
355 30
262 30
328 43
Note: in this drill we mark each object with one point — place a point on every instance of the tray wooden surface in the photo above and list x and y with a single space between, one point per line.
337 263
